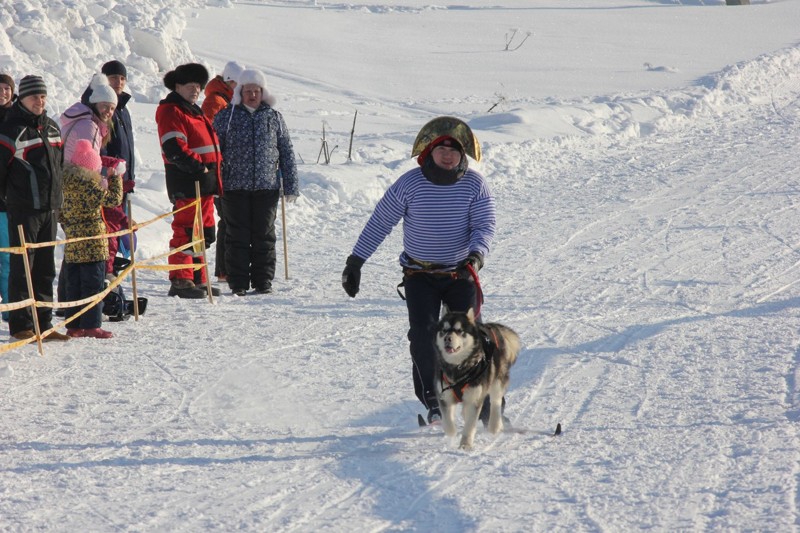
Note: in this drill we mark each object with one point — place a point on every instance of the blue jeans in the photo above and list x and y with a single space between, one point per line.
85 280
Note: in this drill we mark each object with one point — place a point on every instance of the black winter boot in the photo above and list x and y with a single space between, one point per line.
185 288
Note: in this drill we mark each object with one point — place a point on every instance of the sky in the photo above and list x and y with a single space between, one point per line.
643 159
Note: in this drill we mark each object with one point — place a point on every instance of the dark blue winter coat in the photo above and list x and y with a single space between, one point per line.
254 147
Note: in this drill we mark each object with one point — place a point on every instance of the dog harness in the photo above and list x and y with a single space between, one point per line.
490 342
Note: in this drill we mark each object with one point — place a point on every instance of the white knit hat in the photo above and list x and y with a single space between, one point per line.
232 71
255 77
101 90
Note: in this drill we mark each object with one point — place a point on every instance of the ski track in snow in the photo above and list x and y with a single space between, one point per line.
589 353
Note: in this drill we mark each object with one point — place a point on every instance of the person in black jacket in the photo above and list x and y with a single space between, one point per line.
30 185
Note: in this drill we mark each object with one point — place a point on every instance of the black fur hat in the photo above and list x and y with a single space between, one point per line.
188 73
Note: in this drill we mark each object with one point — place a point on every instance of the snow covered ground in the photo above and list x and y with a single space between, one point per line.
644 159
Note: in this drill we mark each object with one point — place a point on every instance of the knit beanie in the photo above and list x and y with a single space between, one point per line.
188 73
86 156
31 85
114 68
101 90
8 80
232 71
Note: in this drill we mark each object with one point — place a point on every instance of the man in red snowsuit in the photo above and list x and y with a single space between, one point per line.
191 153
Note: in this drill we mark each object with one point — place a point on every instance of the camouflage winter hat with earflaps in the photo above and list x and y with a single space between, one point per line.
447 127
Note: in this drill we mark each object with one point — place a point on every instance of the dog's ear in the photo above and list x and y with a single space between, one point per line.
471 315
445 310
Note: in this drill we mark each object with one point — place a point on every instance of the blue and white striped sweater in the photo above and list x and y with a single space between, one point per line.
442 224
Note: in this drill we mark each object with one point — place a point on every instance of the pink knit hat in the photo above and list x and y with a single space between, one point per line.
85 156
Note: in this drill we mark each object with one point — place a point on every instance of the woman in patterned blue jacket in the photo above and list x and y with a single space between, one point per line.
448 219
258 156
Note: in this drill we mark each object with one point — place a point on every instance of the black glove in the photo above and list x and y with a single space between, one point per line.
351 276
475 259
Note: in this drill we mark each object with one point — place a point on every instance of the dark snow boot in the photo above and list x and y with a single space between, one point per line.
185 288
214 290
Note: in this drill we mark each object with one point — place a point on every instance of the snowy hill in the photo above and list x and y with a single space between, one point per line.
644 159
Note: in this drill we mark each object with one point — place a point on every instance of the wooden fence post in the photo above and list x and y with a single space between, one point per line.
36 327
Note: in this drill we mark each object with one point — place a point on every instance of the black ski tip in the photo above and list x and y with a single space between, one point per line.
421 421
558 430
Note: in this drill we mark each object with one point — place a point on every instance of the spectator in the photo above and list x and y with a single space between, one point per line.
85 194
255 142
91 120
7 96
121 146
190 149
7 99
30 147
219 92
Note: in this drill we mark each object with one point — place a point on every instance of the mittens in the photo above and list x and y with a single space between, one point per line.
351 276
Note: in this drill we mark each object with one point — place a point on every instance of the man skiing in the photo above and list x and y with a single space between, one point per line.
448 219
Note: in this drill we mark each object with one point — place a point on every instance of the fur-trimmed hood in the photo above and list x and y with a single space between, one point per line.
253 77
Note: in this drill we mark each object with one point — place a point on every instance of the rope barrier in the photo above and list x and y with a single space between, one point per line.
91 301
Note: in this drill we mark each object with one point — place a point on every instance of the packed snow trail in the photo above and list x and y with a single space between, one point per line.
649 266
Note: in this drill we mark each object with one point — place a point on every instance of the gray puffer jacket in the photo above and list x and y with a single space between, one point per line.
255 146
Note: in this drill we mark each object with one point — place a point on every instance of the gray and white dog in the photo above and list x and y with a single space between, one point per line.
473 361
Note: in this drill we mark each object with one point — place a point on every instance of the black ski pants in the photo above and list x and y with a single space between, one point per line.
38 226
219 263
425 294
250 237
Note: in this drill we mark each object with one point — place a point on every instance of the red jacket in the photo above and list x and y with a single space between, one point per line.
189 147
218 96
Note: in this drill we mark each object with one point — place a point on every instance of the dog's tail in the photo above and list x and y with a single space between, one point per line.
512 342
